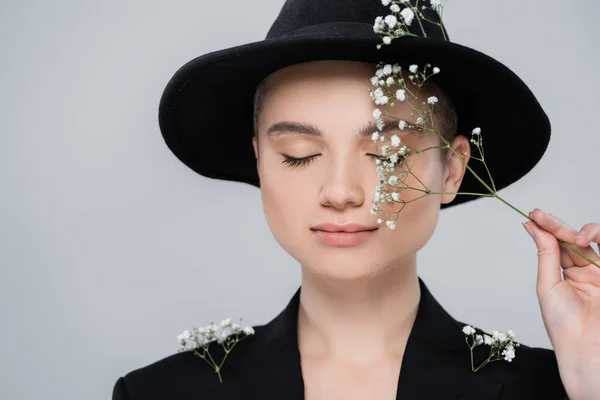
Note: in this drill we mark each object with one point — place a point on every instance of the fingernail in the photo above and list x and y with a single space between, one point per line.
580 239
529 229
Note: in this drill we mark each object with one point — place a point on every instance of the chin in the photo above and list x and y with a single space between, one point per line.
343 266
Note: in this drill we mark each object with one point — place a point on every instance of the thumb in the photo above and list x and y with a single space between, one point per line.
548 257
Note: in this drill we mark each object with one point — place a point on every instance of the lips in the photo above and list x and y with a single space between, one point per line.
349 228
342 235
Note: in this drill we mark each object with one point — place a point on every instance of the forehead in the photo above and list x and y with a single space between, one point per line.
313 97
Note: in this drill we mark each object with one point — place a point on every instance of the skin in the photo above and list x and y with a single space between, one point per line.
358 303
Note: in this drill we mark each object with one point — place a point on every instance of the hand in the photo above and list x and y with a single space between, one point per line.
570 307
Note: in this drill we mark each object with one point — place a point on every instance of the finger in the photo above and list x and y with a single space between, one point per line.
566 261
553 225
549 271
563 232
587 234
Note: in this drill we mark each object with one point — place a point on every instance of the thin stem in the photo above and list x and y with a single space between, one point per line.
419 19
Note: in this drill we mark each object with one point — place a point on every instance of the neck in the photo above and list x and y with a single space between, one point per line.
361 321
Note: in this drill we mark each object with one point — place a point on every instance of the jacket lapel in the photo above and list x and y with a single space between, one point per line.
436 363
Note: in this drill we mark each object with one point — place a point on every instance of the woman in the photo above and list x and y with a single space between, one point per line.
362 324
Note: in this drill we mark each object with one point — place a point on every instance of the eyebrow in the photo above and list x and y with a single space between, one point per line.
298 128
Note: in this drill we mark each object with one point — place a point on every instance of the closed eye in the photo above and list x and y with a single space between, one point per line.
293 162
297 162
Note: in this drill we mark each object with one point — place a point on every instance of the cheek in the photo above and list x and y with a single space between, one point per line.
285 204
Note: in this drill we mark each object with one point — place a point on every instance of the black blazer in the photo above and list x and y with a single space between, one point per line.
436 365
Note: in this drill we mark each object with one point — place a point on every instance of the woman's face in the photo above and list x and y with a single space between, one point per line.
338 185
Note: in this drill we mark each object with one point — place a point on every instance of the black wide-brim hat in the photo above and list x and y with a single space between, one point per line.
206 110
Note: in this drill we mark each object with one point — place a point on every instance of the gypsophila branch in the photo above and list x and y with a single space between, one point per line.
396 153
502 345
226 334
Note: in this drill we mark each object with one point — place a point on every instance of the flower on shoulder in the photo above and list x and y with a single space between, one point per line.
502 345
227 334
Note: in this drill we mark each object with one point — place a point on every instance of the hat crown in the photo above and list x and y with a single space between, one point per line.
301 17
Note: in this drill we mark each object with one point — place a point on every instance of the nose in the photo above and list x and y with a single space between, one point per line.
342 185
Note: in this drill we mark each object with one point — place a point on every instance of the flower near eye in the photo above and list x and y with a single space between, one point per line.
401 94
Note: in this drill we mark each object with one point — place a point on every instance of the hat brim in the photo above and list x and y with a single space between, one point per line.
208 103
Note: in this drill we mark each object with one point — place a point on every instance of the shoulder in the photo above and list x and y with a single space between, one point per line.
180 375
174 377
532 373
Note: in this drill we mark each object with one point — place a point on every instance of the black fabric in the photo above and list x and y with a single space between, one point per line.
206 109
436 366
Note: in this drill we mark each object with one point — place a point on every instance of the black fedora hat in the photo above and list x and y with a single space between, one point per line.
197 108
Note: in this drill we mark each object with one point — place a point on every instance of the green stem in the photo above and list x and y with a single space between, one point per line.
494 194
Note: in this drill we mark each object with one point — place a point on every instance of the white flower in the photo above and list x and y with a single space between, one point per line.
382 100
401 94
387 69
379 73
385 150
379 220
377 93
478 340
432 100
435 3
380 124
413 68
408 15
510 334
487 339
391 20
386 2
394 158
389 81
374 210
402 124
468 330
499 336
419 121
393 180
391 224
395 141
395 8
436 70
248 330
377 113
226 322
183 336
374 81
387 40
476 131
403 150
396 196
375 136
404 1
378 24
509 353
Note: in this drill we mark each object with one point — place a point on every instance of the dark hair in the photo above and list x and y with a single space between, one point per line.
445 112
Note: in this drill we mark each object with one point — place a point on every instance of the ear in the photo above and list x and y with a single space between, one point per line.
455 167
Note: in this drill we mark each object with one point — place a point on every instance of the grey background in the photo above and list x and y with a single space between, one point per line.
110 247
